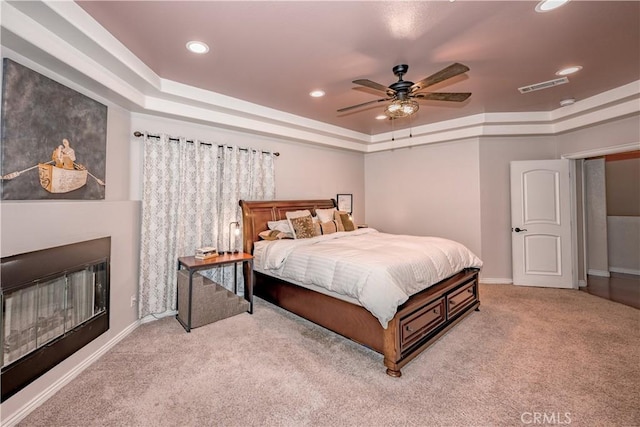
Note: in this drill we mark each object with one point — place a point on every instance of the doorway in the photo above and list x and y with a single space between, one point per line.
608 222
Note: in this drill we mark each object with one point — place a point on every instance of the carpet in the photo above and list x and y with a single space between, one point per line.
530 356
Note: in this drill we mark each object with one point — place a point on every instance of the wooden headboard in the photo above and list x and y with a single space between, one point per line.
256 214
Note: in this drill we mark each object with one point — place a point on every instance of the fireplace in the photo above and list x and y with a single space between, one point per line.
54 302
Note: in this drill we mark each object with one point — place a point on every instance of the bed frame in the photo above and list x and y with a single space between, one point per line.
419 322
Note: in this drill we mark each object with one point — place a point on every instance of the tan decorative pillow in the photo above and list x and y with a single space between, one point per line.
274 235
303 227
345 220
328 227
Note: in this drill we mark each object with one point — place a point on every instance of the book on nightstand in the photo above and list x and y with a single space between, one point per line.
206 252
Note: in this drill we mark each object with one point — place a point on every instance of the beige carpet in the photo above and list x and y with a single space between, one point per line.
531 356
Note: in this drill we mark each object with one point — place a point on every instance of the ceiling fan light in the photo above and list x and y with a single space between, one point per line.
400 108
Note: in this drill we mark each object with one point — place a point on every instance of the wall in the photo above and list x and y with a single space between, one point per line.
603 138
623 187
427 190
623 242
442 170
302 171
609 134
596 217
32 225
495 196
623 215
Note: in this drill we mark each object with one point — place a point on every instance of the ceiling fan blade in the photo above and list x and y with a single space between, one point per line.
443 96
442 75
372 85
362 105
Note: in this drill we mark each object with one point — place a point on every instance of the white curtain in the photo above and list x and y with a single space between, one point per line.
190 196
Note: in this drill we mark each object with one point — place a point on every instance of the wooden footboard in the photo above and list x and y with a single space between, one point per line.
418 323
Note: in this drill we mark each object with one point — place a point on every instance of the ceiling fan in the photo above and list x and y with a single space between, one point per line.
403 93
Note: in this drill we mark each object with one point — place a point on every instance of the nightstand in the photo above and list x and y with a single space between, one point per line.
188 266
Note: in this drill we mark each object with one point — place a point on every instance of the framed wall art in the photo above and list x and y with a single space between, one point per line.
345 202
53 139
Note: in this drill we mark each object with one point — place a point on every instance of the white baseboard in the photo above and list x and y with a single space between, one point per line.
42 397
582 283
600 273
495 281
624 270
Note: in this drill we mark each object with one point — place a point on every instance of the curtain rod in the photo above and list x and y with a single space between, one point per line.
138 134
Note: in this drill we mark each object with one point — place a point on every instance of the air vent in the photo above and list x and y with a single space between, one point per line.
543 85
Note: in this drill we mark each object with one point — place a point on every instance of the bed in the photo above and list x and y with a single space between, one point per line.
417 323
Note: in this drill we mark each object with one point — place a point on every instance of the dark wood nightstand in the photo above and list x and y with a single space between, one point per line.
192 265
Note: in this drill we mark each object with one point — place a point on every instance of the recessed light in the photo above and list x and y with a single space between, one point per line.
569 70
567 102
381 117
317 93
197 47
547 5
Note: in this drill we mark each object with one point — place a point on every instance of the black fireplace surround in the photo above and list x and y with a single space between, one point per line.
54 302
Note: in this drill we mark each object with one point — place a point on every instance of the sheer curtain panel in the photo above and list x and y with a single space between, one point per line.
190 196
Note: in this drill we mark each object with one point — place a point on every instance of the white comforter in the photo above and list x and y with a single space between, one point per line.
379 270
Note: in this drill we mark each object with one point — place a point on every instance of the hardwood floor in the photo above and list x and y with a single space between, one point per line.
622 288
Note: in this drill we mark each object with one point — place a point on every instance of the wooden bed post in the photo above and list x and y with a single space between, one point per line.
391 348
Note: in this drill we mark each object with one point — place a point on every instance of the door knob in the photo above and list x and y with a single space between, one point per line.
517 230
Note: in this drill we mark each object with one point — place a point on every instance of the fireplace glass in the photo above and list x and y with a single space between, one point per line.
34 316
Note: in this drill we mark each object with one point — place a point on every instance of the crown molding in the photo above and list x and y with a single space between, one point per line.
62 30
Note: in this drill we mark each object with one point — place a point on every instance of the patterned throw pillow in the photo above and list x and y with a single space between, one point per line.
303 227
345 220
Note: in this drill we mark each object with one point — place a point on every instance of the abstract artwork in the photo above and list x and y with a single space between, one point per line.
53 139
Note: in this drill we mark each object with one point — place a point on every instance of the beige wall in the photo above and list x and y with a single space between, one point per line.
302 171
427 190
623 187
27 226
495 196
596 217
609 134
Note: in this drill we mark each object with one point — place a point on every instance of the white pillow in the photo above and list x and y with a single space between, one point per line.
296 214
282 225
325 215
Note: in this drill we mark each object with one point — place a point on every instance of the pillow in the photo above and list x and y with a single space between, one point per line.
303 227
325 215
282 225
344 218
301 224
295 214
329 227
274 235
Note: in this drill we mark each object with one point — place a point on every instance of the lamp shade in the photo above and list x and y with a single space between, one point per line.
401 108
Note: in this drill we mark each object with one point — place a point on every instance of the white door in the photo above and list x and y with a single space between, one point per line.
541 223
